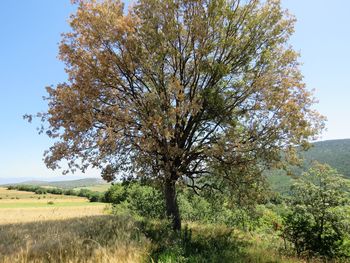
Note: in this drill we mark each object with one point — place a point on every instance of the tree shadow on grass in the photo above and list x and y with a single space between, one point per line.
195 244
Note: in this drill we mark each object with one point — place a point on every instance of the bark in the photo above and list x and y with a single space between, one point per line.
172 208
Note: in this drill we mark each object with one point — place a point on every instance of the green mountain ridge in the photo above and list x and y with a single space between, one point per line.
335 153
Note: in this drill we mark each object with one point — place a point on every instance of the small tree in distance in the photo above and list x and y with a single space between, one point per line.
175 87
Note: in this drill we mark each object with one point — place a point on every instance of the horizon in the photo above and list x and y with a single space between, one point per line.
29 63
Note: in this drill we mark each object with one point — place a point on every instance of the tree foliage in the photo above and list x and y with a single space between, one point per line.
315 224
174 87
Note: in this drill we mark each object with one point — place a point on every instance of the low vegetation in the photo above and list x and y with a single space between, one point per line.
70 184
312 223
122 238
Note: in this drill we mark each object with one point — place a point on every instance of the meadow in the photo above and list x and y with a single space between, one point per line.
59 228
19 207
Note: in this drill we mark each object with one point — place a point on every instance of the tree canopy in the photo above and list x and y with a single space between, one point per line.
315 223
172 88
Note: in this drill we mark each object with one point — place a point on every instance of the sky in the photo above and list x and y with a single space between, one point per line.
30 32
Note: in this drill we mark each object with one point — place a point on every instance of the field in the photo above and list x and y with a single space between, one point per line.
58 228
20 207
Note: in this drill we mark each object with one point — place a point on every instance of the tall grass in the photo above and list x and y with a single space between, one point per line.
122 238
90 239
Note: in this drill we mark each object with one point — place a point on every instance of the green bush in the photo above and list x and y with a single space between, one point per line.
194 208
69 192
145 201
315 224
116 194
95 197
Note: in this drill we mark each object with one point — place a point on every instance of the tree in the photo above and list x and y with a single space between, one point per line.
173 87
314 223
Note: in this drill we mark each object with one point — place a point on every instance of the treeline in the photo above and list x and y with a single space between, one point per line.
92 196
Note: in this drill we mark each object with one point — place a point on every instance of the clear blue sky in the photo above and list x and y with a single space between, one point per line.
30 32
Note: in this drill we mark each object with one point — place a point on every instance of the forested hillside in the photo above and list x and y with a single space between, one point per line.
336 153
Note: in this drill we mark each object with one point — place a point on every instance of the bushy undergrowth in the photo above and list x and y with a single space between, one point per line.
269 221
147 201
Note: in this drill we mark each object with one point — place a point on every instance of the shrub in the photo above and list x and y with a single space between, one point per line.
41 191
116 194
84 193
95 197
194 207
314 224
69 192
145 201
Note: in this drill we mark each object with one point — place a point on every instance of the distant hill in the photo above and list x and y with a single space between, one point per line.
336 153
80 183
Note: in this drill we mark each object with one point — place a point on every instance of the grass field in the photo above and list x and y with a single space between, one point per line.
20 206
58 228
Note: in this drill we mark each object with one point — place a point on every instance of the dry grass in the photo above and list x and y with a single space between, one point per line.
26 207
70 229
26 215
89 239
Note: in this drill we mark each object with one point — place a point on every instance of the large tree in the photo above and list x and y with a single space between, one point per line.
172 88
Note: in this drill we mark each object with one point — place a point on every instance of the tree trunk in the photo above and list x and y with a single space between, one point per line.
172 209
